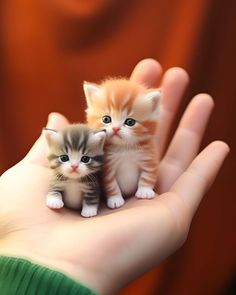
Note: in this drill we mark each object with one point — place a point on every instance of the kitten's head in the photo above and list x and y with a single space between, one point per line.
127 110
76 151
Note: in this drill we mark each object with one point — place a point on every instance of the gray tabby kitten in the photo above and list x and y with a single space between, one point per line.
76 156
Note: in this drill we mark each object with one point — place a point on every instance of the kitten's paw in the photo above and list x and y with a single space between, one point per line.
115 201
89 211
54 202
145 192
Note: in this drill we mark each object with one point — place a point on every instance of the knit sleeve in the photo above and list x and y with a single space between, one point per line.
22 277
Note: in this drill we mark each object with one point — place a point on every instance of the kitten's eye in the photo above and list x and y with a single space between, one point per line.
85 159
64 158
106 119
130 122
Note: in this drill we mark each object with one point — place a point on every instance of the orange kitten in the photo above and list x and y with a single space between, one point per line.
128 111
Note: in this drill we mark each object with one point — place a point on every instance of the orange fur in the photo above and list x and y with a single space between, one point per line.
122 99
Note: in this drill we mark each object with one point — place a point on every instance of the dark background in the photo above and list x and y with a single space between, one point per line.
47 49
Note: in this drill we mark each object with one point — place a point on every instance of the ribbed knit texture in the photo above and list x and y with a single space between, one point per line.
21 277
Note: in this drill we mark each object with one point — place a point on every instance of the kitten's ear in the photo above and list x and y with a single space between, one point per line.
98 139
153 98
51 135
91 91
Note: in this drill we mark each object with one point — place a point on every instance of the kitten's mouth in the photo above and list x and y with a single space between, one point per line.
73 174
74 171
115 134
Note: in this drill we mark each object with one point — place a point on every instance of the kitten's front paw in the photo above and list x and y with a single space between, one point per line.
89 211
145 192
115 201
54 202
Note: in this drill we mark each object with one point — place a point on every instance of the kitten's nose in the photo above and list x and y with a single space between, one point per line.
74 167
116 129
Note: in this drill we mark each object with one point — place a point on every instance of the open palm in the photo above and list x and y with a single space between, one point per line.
113 248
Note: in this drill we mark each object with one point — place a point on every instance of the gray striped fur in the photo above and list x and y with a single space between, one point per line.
76 141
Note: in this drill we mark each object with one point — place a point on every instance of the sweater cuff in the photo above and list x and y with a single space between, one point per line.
22 277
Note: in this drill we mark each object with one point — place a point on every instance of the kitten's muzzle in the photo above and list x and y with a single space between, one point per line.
115 131
74 168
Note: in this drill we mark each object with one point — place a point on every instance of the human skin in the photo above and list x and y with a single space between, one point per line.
110 250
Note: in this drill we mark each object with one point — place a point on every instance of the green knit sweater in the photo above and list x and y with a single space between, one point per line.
21 277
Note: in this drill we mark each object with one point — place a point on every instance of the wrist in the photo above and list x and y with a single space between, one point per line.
41 248
24 277
78 273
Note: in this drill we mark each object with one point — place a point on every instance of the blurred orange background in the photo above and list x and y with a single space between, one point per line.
47 49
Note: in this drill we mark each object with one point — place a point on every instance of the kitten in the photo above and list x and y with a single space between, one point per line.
128 111
76 155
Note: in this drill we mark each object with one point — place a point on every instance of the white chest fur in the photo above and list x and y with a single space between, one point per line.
128 170
72 195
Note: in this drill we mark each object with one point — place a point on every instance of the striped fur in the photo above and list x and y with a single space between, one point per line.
75 183
131 158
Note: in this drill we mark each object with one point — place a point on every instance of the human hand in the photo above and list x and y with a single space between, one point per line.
110 250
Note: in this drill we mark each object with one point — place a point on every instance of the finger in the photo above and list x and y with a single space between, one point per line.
174 83
37 153
197 179
186 141
147 71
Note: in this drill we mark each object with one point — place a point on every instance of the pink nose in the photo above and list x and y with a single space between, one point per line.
115 129
74 167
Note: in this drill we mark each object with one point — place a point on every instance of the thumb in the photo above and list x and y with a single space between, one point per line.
37 153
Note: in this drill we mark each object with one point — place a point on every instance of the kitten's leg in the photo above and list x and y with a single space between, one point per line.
91 201
113 194
90 206
111 187
147 181
54 200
